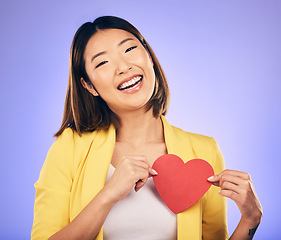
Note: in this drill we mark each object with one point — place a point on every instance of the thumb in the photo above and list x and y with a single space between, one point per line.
152 172
139 184
214 180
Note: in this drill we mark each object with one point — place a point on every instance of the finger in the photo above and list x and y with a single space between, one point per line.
136 157
227 172
229 194
142 176
140 184
138 160
230 186
239 174
133 158
227 178
243 175
152 172
130 163
142 164
232 179
216 178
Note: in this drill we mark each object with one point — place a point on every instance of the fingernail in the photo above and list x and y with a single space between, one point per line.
156 173
211 178
219 191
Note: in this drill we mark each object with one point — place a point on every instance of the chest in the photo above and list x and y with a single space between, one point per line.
151 151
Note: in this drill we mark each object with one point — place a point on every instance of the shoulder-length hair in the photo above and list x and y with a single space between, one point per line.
84 112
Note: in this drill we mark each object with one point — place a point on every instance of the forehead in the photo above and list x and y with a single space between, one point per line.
104 39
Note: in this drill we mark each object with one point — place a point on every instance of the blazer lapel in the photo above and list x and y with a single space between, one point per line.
189 222
176 142
98 161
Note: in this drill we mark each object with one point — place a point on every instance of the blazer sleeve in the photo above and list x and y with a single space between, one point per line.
51 207
215 209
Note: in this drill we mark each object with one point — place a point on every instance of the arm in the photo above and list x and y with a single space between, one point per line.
238 186
89 221
51 209
131 171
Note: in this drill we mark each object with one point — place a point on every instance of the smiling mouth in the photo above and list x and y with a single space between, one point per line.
131 83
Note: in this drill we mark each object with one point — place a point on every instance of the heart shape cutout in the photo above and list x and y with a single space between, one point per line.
180 184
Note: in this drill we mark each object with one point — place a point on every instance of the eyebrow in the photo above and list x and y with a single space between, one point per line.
119 44
125 40
98 54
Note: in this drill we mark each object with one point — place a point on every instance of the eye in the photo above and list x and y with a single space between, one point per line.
101 63
129 49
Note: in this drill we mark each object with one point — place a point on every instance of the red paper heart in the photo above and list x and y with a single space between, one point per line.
180 184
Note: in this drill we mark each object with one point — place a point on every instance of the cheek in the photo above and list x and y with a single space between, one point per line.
145 61
101 79
150 68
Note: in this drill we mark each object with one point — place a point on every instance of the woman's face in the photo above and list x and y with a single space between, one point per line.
120 69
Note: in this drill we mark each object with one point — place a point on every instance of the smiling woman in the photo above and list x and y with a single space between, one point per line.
84 111
123 74
113 130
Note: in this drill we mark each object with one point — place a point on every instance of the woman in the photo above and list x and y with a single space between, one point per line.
113 129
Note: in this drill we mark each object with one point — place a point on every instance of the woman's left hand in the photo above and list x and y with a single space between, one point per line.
238 186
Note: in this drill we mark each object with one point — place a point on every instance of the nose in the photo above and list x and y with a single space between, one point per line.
123 66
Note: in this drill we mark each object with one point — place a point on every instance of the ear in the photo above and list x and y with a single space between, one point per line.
89 87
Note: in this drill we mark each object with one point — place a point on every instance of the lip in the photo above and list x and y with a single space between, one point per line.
136 88
128 79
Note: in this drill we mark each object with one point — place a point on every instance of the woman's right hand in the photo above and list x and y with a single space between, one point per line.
130 171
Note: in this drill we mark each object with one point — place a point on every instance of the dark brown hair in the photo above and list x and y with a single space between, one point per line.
84 112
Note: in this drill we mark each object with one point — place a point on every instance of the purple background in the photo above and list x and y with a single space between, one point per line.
222 60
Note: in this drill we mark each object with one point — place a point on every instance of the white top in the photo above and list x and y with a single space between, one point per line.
141 215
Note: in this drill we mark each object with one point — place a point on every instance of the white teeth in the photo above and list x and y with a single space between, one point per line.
130 82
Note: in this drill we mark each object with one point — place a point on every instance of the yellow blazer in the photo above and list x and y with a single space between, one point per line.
75 170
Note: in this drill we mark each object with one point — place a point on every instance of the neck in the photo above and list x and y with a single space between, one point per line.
140 128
